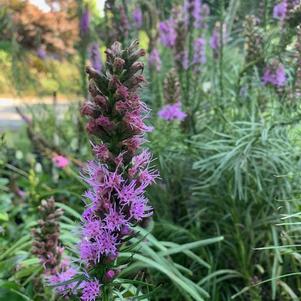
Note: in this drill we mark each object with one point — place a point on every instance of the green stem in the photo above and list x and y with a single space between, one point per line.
221 50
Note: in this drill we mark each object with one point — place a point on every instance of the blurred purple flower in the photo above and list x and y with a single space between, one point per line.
168 33
192 12
184 58
95 57
63 276
274 74
172 112
154 59
215 40
199 56
85 22
138 17
41 52
280 10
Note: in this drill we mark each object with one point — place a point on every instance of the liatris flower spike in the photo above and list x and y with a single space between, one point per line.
216 41
46 243
120 172
199 56
85 22
138 17
168 33
48 248
254 41
172 87
154 60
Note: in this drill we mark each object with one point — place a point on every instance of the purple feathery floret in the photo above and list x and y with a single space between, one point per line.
274 74
168 33
154 59
95 57
280 10
91 290
138 17
172 112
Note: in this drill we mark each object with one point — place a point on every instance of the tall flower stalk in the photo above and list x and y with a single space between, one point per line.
120 173
46 245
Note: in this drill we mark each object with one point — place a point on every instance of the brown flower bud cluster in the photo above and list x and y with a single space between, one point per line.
298 64
293 15
46 235
172 88
253 41
180 52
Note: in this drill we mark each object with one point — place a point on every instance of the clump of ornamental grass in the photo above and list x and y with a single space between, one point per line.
120 172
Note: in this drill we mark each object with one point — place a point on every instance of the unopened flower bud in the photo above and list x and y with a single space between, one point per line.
118 65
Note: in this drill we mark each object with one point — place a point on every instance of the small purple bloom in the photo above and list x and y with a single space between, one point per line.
154 59
280 10
274 75
199 56
168 33
95 57
85 22
41 53
172 112
140 208
138 17
64 276
91 290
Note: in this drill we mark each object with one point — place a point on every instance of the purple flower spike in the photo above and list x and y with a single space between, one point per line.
215 40
85 22
120 174
192 11
168 33
172 112
199 56
95 57
280 10
138 17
